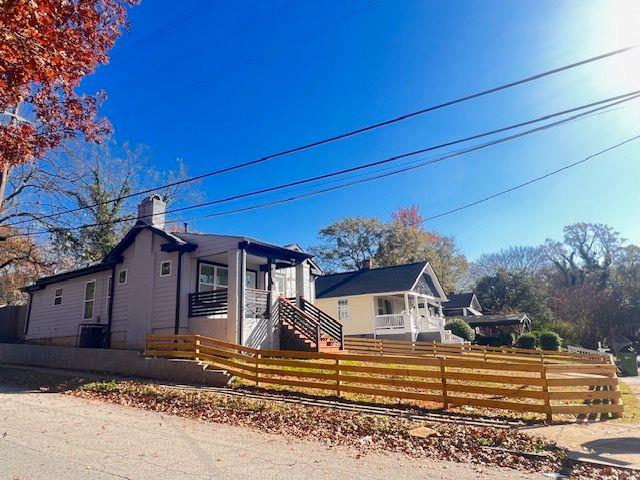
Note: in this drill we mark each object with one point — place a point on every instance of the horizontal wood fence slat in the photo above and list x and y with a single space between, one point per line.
448 376
407 347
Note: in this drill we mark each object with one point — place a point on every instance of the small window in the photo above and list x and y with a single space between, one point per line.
122 277
165 268
57 298
343 310
89 298
385 307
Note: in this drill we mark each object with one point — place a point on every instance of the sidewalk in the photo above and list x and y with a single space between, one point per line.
608 442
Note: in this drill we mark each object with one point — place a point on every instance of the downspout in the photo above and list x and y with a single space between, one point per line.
241 280
112 282
26 324
178 282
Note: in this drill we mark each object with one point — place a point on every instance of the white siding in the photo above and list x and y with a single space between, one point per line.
47 320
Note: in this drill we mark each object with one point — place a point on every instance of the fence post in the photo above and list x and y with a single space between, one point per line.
196 349
338 382
435 350
545 389
484 350
257 359
443 377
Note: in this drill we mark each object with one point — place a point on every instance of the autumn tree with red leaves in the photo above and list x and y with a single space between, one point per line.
46 49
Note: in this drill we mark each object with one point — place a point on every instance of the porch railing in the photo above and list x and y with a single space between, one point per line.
256 304
394 321
215 302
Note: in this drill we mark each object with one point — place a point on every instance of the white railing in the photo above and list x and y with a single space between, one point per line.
390 322
427 323
449 337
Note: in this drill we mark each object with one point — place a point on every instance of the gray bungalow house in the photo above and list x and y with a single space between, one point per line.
155 281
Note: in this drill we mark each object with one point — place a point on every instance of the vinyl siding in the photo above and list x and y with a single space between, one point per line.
360 320
61 321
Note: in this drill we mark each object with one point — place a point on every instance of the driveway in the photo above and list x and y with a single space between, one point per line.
46 435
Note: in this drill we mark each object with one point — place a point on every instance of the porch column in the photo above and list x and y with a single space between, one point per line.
236 261
303 277
273 328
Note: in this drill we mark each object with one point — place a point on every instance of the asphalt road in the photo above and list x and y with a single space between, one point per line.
53 436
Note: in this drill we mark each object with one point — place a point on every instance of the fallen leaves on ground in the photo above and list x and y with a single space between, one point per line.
361 432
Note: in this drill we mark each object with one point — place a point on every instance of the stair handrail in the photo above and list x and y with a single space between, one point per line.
283 301
328 324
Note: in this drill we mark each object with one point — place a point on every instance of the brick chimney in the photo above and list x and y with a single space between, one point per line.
367 264
151 211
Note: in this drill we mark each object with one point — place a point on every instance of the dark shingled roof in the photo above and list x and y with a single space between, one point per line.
505 319
458 300
398 278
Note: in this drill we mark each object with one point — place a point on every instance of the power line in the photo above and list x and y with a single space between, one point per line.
533 180
341 136
368 165
168 26
448 212
204 47
278 47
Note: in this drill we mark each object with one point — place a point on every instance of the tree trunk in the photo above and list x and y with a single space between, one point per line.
4 179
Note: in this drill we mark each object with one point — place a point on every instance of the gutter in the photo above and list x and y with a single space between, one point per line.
178 282
26 324
110 308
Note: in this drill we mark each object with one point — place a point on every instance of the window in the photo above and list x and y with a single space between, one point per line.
385 307
89 298
250 279
343 310
212 277
165 268
122 277
57 297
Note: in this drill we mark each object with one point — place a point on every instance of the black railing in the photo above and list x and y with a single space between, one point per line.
288 313
328 325
215 302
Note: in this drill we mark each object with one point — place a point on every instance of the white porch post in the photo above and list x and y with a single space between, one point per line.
236 261
407 317
303 277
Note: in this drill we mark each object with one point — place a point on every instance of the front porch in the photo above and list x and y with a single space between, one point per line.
237 296
405 315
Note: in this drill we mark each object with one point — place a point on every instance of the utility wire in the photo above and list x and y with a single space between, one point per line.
442 214
169 26
278 47
338 137
359 167
204 47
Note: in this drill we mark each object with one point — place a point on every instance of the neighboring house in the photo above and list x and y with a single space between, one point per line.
492 325
402 302
462 305
155 281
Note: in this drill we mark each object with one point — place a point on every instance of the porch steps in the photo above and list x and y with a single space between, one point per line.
305 330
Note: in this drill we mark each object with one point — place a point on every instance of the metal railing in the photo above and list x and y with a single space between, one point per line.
203 304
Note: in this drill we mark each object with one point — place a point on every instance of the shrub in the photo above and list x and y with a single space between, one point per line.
504 339
550 341
459 327
527 340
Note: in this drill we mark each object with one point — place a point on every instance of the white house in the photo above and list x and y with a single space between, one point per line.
156 281
398 302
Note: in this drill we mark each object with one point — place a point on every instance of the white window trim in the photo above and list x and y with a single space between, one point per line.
56 296
170 268
93 300
215 276
126 276
345 308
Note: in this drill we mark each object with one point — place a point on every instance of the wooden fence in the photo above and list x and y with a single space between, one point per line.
379 346
540 388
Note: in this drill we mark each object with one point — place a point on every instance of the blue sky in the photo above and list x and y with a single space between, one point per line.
395 57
